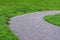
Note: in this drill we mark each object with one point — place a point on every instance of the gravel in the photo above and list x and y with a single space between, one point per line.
32 26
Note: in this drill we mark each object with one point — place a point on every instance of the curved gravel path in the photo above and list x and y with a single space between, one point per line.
34 27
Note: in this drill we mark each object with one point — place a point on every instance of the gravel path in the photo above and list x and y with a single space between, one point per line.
34 27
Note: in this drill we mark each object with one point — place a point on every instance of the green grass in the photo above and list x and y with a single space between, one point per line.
10 8
53 19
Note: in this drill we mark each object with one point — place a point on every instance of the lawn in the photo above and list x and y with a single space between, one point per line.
53 19
10 8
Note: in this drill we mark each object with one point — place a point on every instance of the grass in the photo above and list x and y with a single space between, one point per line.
10 8
53 19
